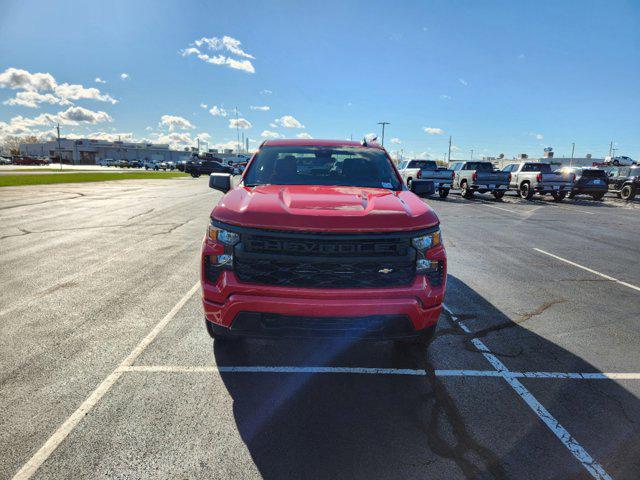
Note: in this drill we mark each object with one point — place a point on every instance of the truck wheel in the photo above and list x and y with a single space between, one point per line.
597 196
628 193
409 181
422 340
195 174
498 194
526 191
572 195
465 191
443 192
558 196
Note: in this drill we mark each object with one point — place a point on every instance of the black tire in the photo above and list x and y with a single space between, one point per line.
616 163
597 196
572 195
409 181
526 191
558 196
498 194
443 192
195 174
618 194
628 193
465 191
421 341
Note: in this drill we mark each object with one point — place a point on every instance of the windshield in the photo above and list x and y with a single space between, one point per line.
340 166
537 167
592 173
422 164
479 166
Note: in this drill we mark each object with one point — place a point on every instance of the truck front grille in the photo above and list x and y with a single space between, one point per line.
315 262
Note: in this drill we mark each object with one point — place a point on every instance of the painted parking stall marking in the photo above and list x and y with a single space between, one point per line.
594 468
590 270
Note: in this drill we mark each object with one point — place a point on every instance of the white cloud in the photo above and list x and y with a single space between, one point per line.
17 79
455 148
40 88
370 136
176 140
303 135
539 136
264 108
271 134
395 141
463 81
287 121
32 99
521 56
227 44
124 76
433 130
99 80
204 105
217 111
445 97
273 125
174 122
68 91
265 92
242 123
149 129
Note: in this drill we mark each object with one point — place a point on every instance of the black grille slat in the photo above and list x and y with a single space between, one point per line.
324 262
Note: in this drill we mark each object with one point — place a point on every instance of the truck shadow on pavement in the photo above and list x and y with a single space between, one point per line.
355 425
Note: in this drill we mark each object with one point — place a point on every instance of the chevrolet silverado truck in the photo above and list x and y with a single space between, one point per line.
481 177
442 178
343 248
411 169
529 178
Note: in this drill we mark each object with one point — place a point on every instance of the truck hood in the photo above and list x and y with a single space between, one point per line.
324 208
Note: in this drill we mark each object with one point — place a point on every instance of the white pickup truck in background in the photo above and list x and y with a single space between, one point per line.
535 177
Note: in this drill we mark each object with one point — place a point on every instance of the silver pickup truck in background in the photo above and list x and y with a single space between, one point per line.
442 178
471 177
535 177
410 169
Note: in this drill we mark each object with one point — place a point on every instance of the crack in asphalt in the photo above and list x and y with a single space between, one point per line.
140 214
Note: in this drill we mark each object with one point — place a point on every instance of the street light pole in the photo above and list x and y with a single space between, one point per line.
573 149
383 125
237 131
472 154
59 149
449 154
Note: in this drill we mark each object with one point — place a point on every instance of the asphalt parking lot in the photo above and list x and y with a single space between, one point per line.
107 371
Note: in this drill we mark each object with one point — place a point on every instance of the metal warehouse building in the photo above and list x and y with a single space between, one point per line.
86 151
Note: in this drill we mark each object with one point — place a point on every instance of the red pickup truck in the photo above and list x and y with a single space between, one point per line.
322 238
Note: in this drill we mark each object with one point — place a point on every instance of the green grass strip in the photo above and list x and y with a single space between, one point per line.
49 178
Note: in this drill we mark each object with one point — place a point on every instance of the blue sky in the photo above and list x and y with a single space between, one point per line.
500 77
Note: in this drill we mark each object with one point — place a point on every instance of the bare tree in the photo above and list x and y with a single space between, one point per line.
11 143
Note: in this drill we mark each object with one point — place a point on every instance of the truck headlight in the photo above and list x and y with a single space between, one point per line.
425 242
223 236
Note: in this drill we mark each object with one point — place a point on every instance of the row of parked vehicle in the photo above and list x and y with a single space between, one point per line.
525 178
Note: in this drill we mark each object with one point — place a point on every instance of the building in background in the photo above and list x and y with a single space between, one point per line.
85 151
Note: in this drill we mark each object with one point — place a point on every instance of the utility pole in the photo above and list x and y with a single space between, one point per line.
242 141
472 154
59 149
573 149
198 147
237 131
611 148
383 125
449 154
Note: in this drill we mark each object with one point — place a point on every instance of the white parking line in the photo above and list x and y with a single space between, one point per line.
595 272
541 375
594 468
378 371
29 468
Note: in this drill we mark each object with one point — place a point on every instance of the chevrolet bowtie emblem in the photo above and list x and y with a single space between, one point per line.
385 270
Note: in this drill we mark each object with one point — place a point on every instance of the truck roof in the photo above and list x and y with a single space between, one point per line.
312 142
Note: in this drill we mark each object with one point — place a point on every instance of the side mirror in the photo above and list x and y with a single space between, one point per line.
423 187
220 181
